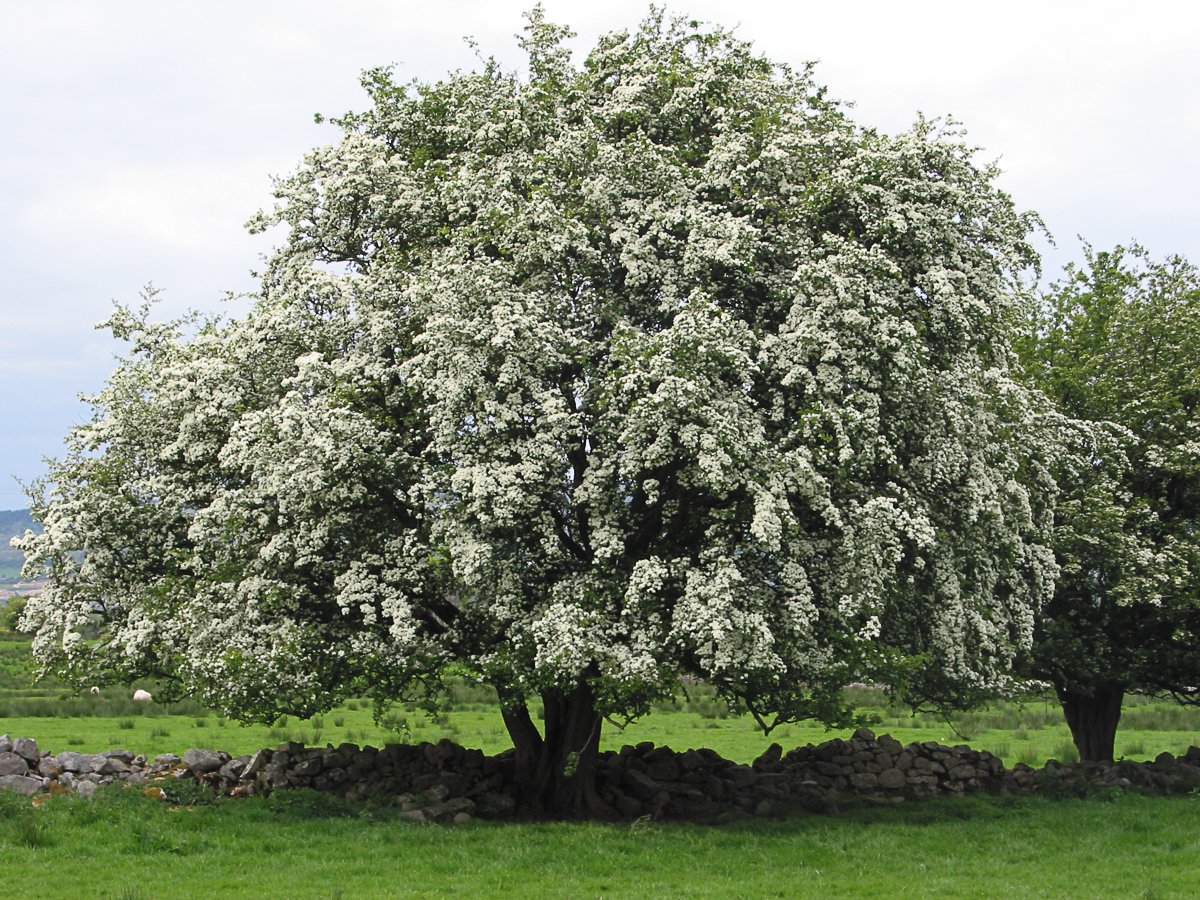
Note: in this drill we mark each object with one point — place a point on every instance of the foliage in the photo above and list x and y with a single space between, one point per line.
1114 344
579 381
11 612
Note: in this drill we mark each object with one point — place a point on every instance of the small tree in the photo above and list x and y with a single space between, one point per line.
578 383
1115 345
11 612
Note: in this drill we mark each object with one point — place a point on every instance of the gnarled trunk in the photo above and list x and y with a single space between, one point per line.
556 771
1092 718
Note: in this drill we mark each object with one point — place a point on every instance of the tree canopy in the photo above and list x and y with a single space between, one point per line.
578 382
1114 344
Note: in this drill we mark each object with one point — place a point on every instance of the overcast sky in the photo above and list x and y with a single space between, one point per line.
140 136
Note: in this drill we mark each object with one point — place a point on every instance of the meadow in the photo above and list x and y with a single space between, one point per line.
301 844
298 844
1030 732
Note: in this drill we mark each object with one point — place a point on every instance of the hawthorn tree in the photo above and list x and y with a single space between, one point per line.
578 382
1114 344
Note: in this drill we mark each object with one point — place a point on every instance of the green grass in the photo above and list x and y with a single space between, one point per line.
301 845
1029 733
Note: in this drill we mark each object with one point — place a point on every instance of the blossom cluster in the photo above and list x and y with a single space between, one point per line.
649 367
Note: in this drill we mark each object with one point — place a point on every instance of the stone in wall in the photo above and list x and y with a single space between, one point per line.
446 782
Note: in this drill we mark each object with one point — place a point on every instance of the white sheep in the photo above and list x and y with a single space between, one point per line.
94 691
141 696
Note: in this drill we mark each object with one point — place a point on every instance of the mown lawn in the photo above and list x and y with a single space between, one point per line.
301 845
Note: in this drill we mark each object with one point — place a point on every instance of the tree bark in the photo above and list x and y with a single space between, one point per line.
1092 718
556 772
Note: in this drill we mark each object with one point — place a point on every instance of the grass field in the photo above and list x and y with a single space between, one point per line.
59 720
302 845
299 844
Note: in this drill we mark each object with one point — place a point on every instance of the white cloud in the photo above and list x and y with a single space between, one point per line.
193 207
140 135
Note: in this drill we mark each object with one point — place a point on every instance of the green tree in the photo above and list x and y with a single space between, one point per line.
1116 345
578 382
10 613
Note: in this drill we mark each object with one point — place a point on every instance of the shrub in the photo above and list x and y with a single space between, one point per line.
187 792
305 803
10 613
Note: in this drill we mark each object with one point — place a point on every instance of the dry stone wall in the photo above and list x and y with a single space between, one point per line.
446 782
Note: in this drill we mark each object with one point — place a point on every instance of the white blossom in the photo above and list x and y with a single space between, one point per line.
597 375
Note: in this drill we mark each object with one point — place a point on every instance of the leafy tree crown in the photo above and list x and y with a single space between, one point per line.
652 366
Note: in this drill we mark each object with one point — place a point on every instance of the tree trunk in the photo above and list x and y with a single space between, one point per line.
1093 719
556 772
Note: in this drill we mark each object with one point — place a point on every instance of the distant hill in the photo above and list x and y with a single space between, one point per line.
12 523
15 521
